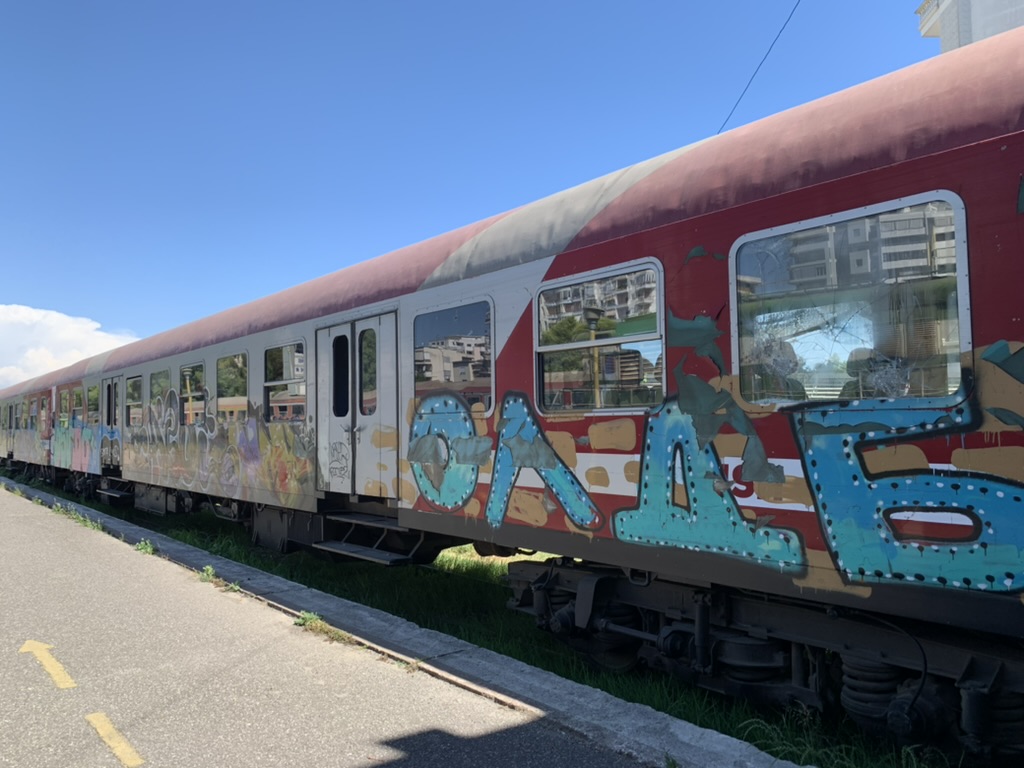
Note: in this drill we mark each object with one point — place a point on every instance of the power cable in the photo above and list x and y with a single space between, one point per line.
783 29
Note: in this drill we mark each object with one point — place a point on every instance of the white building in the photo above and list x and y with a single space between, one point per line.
959 22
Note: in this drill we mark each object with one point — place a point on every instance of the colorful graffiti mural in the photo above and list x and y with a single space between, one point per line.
247 459
77 448
877 527
710 520
446 457
875 524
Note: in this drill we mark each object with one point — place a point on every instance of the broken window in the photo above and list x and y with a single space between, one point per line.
853 306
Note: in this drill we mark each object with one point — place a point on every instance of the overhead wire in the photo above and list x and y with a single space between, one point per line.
758 69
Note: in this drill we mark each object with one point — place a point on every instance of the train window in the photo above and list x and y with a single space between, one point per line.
192 393
368 372
340 393
33 413
453 352
600 342
233 388
114 414
112 405
159 385
857 306
64 414
284 386
93 405
77 407
133 401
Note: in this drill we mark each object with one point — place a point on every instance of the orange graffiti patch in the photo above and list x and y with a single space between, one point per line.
385 437
406 491
896 458
478 411
615 435
565 447
598 477
527 507
822 574
1005 461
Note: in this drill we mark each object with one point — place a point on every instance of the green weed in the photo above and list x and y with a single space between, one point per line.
312 622
73 513
306 618
145 547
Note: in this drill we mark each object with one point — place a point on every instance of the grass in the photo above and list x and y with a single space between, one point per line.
145 547
71 512
424 595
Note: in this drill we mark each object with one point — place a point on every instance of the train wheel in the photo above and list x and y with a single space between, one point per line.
614 651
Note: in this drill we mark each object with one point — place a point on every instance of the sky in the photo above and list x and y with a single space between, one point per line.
163 161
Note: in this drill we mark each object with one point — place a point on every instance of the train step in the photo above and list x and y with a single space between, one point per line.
370 521
114 495
372 554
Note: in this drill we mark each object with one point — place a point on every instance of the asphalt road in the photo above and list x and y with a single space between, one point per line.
110 657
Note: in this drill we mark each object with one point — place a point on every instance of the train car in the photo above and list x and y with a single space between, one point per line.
761 397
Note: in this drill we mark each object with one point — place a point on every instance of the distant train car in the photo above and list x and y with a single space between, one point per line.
763 396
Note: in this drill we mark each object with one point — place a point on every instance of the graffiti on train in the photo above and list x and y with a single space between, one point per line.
873 526
940 527
241 457
446 456
78 448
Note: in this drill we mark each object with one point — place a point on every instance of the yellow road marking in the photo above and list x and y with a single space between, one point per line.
53 667
118 744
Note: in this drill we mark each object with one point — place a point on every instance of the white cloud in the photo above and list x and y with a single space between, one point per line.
34 341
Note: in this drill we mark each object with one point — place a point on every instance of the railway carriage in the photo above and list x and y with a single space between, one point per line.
762 396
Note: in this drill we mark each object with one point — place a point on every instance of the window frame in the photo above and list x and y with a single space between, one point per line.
129 403
64 408
366 407
217 396
892 205
157 374
77 406
657 335
269 416
93 417
341 395
185 401
436 309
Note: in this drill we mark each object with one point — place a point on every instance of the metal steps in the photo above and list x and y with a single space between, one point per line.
115 495
374 555
372 531
371 521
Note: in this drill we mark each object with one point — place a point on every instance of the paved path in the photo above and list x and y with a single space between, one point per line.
109 657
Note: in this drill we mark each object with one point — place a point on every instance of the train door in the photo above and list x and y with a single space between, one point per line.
357 399
110 422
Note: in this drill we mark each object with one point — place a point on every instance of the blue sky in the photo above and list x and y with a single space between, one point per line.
161 161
